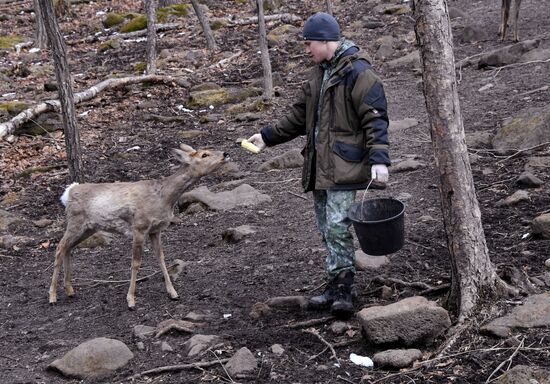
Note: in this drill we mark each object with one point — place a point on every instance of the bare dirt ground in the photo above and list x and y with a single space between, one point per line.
284 257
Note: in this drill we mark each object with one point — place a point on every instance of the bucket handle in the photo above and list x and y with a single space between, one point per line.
365 193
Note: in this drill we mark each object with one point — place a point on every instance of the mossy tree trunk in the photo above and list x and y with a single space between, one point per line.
266 63
151 50
210 42
66 98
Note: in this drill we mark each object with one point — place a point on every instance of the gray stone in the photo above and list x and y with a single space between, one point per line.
299 302
541 226
507 55
515 198
534 313
243 195
407 165
414 320
235 235
527 129
277 349
143 331
364 261
94 358
289 159
242 362
401 125
339 327
396 358
522 374
528 180
197 344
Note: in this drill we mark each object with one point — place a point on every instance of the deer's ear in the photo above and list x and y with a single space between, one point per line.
187 148
182 157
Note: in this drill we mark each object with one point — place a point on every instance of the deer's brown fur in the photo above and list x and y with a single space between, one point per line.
136 209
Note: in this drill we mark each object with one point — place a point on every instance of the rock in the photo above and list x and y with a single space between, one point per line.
198 316
407 165
527 129
299 302
242 196
198 344
507 55
547 263
396 358
386 292
143 331
339 327
414 320
93 359
522 374
540 226
235 235
528 180
7 219
289 159
277 349
364 261
401 125
534 313
411 60
165 347
9 241
42 223
242 362
515 198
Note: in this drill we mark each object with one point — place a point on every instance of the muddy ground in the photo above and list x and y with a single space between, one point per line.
285 255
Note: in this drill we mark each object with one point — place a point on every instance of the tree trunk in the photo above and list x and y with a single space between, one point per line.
473 276
266 63
151 49
62 8
41 37
329 6
63 76
210 42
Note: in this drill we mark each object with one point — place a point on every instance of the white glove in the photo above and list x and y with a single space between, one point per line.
379 172
257 141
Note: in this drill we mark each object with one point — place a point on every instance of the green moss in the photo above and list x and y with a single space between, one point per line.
207 98
217 24
177 10
140 66
8 41
136 24
14 107
111 19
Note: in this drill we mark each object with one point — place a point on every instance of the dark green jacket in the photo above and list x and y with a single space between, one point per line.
352 126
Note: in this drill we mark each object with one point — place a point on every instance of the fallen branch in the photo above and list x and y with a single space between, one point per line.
391 280
178 367
316 333
508 360
284 17
9 127
520 151
309 323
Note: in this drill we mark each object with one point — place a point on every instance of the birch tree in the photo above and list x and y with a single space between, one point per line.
266 63
151 50
210 42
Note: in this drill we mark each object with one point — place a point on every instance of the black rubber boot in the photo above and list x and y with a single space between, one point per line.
325 299
342 305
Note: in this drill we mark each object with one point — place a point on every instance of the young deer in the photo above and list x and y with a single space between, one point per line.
135 209
504 13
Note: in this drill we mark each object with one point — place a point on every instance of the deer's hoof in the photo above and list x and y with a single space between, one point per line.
176 297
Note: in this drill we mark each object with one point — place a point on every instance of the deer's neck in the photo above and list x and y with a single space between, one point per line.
173 186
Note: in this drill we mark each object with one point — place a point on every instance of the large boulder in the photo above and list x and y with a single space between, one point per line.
529 128
411 321
93 359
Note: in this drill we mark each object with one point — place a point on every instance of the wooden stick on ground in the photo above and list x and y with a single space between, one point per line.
177 367
316 333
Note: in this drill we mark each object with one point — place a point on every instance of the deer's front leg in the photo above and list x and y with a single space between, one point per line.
56 267
159 251
137 247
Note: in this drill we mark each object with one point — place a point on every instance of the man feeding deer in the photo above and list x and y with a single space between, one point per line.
342 112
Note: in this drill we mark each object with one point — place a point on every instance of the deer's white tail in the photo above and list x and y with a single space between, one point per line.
65 196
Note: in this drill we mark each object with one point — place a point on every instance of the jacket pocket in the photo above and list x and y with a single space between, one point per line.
350 163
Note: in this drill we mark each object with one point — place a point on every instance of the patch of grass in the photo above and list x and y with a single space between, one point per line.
8 41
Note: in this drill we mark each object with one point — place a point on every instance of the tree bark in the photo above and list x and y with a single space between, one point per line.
151 49
41 37
473 276
210 42
329 6
266 63
65 90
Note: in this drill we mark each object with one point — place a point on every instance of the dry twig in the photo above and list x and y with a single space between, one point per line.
314 332
177 367
309 323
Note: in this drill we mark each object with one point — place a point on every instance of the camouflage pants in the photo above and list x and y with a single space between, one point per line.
331 209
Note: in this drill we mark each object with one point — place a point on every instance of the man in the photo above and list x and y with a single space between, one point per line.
343 113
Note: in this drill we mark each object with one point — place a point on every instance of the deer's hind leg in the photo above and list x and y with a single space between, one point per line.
159 251
137 249
516 16
504 14
70 239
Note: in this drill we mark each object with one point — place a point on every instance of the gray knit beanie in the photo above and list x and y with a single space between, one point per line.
321 26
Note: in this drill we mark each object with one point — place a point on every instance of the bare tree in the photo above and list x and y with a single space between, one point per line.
66 98
266 63
41 37
151 50
329 6
210 42
473 275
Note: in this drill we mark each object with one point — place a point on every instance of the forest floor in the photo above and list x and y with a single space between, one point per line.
285 256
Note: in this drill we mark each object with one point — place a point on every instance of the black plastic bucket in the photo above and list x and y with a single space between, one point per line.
379 225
